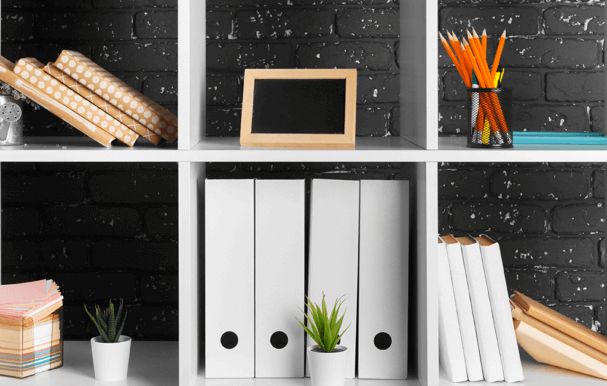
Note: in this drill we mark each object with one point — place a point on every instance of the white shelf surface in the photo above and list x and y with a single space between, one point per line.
386 149
202 381
150 364
535 374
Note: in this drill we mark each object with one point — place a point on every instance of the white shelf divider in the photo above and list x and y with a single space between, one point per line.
191 71
418 77
191 220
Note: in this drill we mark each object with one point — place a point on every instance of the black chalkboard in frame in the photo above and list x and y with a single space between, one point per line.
299 107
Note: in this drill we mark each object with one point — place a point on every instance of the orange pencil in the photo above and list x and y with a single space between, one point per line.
477 56
498 55
457 49
452 56
485 44
490 112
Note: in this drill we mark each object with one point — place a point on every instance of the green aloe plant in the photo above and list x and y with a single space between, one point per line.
107 321
325 328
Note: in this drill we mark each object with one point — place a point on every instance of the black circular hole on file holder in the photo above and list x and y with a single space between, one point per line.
279 340
382 341
229 340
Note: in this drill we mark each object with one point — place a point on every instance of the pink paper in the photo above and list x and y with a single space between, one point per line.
24 292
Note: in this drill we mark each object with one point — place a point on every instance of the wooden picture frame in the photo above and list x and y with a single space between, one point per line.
249 138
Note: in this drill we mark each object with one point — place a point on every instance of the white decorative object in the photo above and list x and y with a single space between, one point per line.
111 360
327 369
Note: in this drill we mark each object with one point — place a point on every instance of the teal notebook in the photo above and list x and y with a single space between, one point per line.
557 138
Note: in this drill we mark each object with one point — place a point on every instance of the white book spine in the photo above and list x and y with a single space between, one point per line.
279 278
384 278
502 313
464 309
481 309
333 254
229 278
450 340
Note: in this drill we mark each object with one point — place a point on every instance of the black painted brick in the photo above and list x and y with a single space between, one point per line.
368 22
580 286
281 23
161 222
462 184
17 26
516 218
20 222
223 122
91 221
64 254
597 115
581 20
93 26
548 252
220 25
523 20
535 284
579 219
551 53
575 87
452 120
153 323
137 56
135 255
237 57
550 118
34 188
371 122
133 188
156 25
159 288
162 89
224 90
582 315
598 184
20 255
363 56
134 3
378 88
540 185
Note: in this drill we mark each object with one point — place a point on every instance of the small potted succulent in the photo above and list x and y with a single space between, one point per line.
111 350
327 359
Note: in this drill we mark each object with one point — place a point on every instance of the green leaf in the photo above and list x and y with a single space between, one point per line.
119 312
101 332
112 324
121 326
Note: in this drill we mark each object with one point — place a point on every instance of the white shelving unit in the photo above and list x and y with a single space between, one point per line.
419 149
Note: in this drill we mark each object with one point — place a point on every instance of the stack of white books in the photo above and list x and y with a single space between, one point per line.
476 329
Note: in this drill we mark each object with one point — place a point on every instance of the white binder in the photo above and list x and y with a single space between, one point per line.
481 309
451 349
279 278
500 305
333 253
384 270
229 275
464 309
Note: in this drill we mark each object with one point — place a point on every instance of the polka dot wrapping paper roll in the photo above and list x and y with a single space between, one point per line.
31 70
112 110
132 102
49 102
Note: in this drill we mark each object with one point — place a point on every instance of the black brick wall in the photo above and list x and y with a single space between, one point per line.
360 34
550 222
554 61
134 39
100 231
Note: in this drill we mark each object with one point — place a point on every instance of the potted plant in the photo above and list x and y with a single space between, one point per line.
111 350
327 359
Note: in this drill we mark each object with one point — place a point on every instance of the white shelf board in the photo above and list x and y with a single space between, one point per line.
202 381
150 364
536 374
367 149
453 149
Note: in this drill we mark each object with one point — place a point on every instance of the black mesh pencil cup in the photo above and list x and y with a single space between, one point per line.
490 117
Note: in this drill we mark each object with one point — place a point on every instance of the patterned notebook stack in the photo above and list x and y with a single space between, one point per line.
86 96
31 339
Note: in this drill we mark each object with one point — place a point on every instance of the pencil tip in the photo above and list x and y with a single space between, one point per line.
449 35
504 34
485 32
442 38
469 35
474 33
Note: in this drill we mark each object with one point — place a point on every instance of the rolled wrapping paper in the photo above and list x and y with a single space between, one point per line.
141 108
112 110
47 101
30 69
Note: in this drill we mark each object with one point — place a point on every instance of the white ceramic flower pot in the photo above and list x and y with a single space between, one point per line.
111 360
327 369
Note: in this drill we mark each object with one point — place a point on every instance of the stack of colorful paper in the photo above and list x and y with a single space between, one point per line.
31 339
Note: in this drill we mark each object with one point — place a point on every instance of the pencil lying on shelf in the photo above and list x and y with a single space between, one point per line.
471 61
